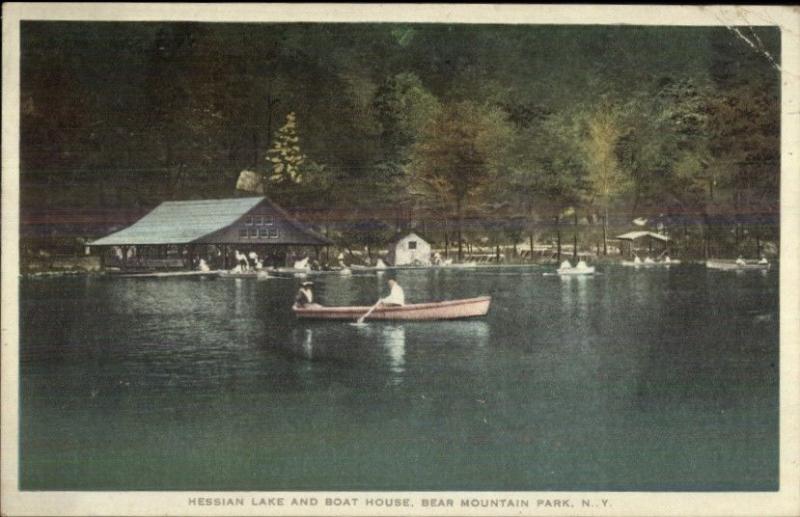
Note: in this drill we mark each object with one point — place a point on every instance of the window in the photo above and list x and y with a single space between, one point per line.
273 233
259 220
269 220
248 220
412 245
253 232
263 232
243 233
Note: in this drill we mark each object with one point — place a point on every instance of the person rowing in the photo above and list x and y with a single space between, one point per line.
582 265
763 261
636 259
740 261
396 295
566 265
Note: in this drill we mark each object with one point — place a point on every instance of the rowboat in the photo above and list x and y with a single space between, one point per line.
447 310
731 265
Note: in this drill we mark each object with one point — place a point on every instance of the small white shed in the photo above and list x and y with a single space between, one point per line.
410 250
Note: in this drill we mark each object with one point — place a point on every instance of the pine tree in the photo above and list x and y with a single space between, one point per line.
284 157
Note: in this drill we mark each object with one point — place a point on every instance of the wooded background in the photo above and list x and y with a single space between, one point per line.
499 134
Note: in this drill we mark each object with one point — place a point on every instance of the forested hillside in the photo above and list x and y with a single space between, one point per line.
499 133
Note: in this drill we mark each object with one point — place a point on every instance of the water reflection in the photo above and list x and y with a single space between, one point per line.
239 300
574 291
394 342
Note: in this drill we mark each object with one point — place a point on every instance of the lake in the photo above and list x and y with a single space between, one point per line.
629 380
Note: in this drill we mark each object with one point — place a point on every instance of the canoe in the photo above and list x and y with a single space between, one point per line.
447 310
731 265
575 271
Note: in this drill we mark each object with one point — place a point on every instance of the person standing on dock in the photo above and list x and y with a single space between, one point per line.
396 295
305 296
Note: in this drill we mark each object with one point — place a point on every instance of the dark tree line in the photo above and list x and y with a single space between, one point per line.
476 133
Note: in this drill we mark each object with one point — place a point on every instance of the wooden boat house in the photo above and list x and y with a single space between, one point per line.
410 249
177 234
643 244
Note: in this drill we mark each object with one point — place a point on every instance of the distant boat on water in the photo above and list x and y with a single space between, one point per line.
737 265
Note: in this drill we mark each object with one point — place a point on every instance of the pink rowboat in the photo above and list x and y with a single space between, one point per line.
448 310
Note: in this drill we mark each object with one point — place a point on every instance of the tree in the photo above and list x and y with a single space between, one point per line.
284 157
459 152
605 177
402 108
548 176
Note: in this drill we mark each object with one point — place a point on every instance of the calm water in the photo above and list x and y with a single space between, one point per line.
633 380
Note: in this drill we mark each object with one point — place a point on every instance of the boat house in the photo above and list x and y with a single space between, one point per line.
643 243
409 250
177 234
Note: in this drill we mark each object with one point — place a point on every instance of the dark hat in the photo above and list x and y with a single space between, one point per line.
306 284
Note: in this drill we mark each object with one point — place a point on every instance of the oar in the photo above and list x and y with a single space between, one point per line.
360 320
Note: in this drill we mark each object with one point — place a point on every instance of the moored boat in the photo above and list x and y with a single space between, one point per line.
732 265
446 310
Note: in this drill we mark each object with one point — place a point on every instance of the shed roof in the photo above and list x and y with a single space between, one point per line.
630 236
403 236
183 222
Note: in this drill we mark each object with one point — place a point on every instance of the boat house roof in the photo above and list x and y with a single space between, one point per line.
206 221
408 235
631 236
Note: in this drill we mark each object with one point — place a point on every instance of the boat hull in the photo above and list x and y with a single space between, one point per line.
449 310
576 272
733 266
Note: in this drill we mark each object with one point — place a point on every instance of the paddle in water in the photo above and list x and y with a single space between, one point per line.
360 321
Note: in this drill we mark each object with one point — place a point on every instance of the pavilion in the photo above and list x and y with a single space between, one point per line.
642 242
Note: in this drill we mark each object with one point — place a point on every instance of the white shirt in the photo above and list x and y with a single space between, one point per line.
309 294
396 295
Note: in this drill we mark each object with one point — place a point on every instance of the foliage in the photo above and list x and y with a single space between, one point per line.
408 122
284 157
